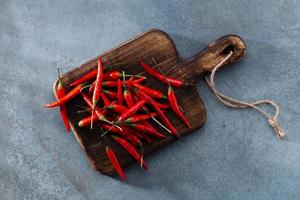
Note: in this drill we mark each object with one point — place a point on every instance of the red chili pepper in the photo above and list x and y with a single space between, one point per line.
120 92
151 92
128 98
98 84
66 98
98 111
127 95
109 76
112 75
138 118
114 161
138 134
87 121
130 88
138 80
111 94
145 109
149 100
146 123
160 105
63 109
168 80
115 83
85 78
131 111
175 106
147 129
124 133
117 108
105 99
131 150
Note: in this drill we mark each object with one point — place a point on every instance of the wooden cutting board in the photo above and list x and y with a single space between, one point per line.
154 44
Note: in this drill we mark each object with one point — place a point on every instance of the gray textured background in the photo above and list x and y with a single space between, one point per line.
235 156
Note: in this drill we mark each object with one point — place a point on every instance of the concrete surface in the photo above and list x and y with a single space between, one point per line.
235 156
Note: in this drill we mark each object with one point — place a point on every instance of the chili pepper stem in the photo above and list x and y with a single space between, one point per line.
82 111
181 109
85 87
58 75
92 118
103 134
111 123
114 125
78 106
161 124
139 76
123 74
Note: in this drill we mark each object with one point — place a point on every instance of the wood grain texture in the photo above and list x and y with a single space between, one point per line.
158 45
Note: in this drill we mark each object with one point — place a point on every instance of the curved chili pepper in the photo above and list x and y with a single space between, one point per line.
124 133
111 94
131 150
66 98
63 109
138 134
105 99
120 92
138 118
128 98
127 95
117 108
110 83
149 100
160 105
168 80
151 92
87 121
146 123
85 78
131 111
114 161
147 129
112 75
98 85
138 80
175 106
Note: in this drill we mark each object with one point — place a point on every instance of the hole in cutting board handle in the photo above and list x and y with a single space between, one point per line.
206 60
228 49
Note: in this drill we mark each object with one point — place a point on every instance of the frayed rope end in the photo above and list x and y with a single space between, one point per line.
278 130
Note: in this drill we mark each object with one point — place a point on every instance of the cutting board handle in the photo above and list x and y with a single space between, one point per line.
207 59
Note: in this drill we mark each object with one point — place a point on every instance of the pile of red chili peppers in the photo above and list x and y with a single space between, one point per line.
123 107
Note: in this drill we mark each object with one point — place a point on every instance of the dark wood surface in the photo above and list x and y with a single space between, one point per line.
158 45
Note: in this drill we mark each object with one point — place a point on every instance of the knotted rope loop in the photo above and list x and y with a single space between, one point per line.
234 103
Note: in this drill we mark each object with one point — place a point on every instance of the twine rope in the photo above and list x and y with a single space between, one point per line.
234 103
